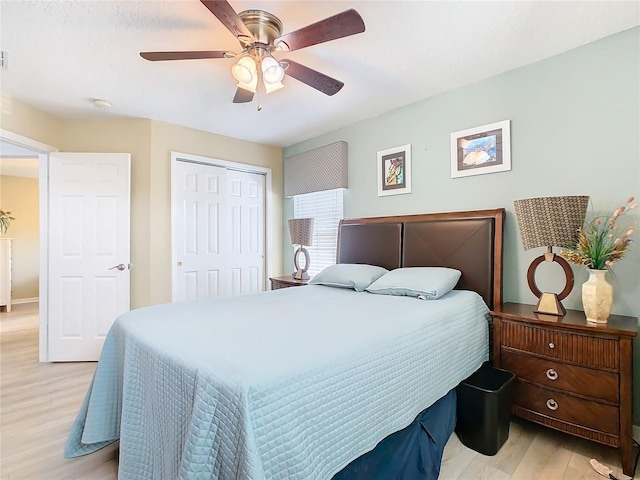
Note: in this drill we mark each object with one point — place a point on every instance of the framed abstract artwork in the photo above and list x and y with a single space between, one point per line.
485 149
394 171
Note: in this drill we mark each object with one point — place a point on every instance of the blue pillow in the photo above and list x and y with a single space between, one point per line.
426 283
348 275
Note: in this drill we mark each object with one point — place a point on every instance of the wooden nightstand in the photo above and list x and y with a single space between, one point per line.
572 375
285 282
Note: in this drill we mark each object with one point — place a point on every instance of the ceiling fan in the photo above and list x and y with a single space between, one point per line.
260 36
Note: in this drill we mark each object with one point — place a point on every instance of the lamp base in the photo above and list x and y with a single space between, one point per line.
300 275
549 303
301 272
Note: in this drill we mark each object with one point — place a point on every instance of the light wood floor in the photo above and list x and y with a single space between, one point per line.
39 402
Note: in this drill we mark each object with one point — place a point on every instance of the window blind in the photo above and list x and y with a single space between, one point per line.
326 208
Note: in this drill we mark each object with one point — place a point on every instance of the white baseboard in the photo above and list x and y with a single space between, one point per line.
18 301
636 433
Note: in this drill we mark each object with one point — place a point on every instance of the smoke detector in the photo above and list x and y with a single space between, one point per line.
102 104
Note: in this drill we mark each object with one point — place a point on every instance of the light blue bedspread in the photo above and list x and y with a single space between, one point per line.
276 385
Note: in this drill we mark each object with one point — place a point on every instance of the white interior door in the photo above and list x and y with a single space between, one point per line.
89 222
218 231
245 204
198 198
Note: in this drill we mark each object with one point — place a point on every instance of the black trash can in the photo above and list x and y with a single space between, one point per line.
484 409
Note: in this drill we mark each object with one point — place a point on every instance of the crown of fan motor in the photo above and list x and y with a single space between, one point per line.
264 26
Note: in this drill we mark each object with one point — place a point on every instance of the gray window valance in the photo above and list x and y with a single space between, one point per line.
323 168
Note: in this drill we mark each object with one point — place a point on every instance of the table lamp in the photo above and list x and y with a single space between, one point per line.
550 222
301 232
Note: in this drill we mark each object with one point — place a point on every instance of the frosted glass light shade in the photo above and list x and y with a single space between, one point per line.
252 87
245 70
272 87
272 72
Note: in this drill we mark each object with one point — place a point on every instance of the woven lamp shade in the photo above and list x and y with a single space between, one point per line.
551 221
301 231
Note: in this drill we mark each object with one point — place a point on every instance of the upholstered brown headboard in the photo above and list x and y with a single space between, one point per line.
468 241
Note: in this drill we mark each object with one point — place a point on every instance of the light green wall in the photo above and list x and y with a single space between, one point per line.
575 129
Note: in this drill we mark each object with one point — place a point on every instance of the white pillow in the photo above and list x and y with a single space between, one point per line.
426 283
348 275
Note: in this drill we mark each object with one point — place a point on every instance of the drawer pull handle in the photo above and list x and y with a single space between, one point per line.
551 404
552 345
552 374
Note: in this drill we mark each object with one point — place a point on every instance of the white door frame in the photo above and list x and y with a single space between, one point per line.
43 150
243 167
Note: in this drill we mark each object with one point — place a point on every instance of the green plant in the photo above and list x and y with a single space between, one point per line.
602 241
5 221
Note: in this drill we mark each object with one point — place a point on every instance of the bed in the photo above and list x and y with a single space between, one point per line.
311 382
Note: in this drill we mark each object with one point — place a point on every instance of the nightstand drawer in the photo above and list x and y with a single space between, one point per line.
570 378
566 408
571 347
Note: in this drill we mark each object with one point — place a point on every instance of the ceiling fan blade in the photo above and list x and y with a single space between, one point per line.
228 17
340 25
243 96
156 56
313 78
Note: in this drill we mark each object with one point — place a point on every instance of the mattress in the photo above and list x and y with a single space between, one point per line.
275 385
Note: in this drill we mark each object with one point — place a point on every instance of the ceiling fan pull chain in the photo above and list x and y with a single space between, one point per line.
260 88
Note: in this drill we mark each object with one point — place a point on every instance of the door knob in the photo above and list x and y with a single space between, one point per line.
120 267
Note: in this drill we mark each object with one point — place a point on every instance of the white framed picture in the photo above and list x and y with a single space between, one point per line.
485 149
394 171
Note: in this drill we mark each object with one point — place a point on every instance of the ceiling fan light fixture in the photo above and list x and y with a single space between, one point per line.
251 87
260 35
272 87
272 71
245 70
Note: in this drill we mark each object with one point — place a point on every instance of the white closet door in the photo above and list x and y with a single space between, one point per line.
246 232
199 203
218 231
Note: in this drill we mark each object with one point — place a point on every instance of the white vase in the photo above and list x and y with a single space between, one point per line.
597 297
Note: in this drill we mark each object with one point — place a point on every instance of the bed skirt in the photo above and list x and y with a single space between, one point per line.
413 453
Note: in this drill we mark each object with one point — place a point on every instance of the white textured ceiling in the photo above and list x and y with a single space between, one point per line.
63 54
